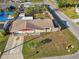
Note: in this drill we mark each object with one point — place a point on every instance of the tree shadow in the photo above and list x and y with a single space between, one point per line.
56 24
65 23
61 22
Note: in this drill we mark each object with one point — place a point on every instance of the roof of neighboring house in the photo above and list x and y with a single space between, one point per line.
31 24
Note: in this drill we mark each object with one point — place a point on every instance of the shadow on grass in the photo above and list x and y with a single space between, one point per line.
58 20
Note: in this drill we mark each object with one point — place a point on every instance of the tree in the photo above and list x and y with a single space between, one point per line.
29 11
72 2
67 3
62 3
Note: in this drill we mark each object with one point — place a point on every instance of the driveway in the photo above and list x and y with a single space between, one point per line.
13 48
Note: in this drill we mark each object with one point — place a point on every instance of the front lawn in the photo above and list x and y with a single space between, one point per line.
50 44
70 12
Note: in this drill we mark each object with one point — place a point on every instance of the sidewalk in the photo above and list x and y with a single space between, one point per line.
13 48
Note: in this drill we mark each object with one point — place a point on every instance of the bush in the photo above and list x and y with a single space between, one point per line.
67 3
3 32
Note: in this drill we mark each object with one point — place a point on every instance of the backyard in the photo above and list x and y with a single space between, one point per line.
42 16
50 44
38 12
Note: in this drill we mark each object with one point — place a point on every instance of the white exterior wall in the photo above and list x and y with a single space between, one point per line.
22 15
34 31
38 31
27 18
25 31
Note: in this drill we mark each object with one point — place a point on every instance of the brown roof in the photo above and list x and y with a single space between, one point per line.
32 24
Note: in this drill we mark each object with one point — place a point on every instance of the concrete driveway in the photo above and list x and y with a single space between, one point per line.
13 48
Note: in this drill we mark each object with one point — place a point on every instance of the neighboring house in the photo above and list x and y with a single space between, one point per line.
3 6
31 26
26 4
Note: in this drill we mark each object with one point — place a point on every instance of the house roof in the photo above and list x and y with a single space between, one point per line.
31 24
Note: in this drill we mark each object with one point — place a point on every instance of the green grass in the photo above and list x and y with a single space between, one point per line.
56 47
78 23
3 41
72 40
70 12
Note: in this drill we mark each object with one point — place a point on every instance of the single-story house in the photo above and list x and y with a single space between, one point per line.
31 26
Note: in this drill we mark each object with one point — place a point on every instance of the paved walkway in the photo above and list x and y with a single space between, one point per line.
13 48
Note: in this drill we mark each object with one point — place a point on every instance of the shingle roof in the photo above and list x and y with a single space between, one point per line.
32 24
